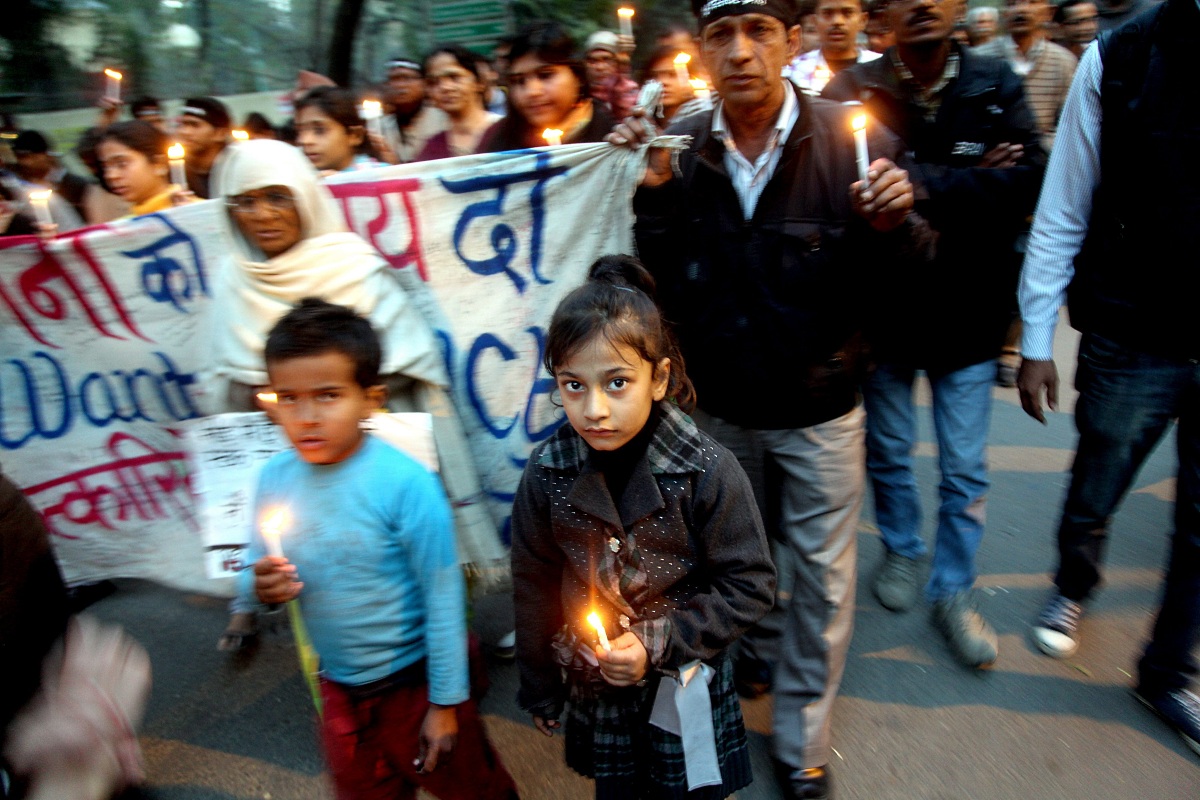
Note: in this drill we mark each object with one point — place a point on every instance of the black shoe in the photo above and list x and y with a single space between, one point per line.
1179 708
803 784
751 677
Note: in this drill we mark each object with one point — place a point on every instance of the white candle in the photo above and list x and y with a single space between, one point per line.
175 159
272 531
371 112
41 206
553 136
112 89
594 619
681 68
821 76
625 18
860 147
700 88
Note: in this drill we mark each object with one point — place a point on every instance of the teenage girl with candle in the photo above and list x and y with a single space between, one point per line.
547 88
632 513
133 156
330 132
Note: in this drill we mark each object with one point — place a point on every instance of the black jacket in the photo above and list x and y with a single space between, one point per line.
954 313
769 311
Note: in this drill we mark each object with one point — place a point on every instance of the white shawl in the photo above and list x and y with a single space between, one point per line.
329 262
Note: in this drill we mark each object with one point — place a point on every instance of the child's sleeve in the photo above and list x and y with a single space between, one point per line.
537 565
424 516
735 556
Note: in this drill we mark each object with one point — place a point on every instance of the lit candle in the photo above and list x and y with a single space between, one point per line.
700 88
681 68
175 160
553 136
272 531
372 111
821 76
594 620
112 89
41 206
625 18
860 147
266 397
240 136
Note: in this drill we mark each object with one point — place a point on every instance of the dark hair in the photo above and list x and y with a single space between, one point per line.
314 327
466 59
144 103
137 135
341 106
617 302
661 53
877 7
258 123
550 42
1060 10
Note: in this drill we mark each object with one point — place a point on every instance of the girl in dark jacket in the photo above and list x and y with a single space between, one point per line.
638 558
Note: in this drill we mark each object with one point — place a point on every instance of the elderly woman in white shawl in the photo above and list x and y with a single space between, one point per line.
292 242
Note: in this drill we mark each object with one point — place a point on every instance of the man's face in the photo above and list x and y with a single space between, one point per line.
601 66
838 24
745 55
922 22
199 136
33 166
1022 17
879 33
1081 24
406 88
983 28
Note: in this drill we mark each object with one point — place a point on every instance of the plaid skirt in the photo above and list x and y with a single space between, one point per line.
609 738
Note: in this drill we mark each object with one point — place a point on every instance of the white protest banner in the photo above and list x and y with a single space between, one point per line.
107 332
226 452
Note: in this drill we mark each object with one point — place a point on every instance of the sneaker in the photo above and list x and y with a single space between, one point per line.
803 784
1179 708
896 584
506 648
971 639
1056 632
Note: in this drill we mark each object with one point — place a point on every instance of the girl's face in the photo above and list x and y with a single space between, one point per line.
327 143
608 391
453 88
542 93
130 174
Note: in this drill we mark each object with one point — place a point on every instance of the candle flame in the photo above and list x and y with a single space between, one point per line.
41 197
175 152
698 83
682 58
372 104
241 136
112 73
267 397
859 122
275 521
594 620
627 13
552 134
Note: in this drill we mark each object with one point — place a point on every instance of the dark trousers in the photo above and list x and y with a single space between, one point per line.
1126 401
371 745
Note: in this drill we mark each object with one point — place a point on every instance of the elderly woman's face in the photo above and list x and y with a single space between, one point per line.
268 217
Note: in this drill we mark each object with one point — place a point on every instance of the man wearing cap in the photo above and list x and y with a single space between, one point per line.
759 243
977 155
204 132
606 83
413 121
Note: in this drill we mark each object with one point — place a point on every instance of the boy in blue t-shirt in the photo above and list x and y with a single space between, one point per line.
371 556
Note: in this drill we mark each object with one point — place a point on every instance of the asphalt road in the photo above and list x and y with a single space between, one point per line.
910 723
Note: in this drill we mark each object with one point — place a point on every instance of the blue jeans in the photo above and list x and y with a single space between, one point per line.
962 409
1126 401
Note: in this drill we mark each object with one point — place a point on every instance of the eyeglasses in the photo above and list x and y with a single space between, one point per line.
248 204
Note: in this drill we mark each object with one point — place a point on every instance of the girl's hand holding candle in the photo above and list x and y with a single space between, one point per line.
625 661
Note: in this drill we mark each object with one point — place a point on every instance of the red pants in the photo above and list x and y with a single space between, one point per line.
371 745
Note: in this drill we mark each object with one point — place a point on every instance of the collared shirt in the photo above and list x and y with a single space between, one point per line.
1063 211
748 179
929 99
810 71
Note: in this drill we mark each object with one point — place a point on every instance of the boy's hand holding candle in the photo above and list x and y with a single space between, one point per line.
274 577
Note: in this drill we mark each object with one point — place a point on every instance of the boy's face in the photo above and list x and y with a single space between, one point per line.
319 404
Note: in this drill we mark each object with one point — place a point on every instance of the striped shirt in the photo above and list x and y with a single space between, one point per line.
1046 72
1063 211
748 179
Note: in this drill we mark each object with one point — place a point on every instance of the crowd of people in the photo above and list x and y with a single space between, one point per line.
707 513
